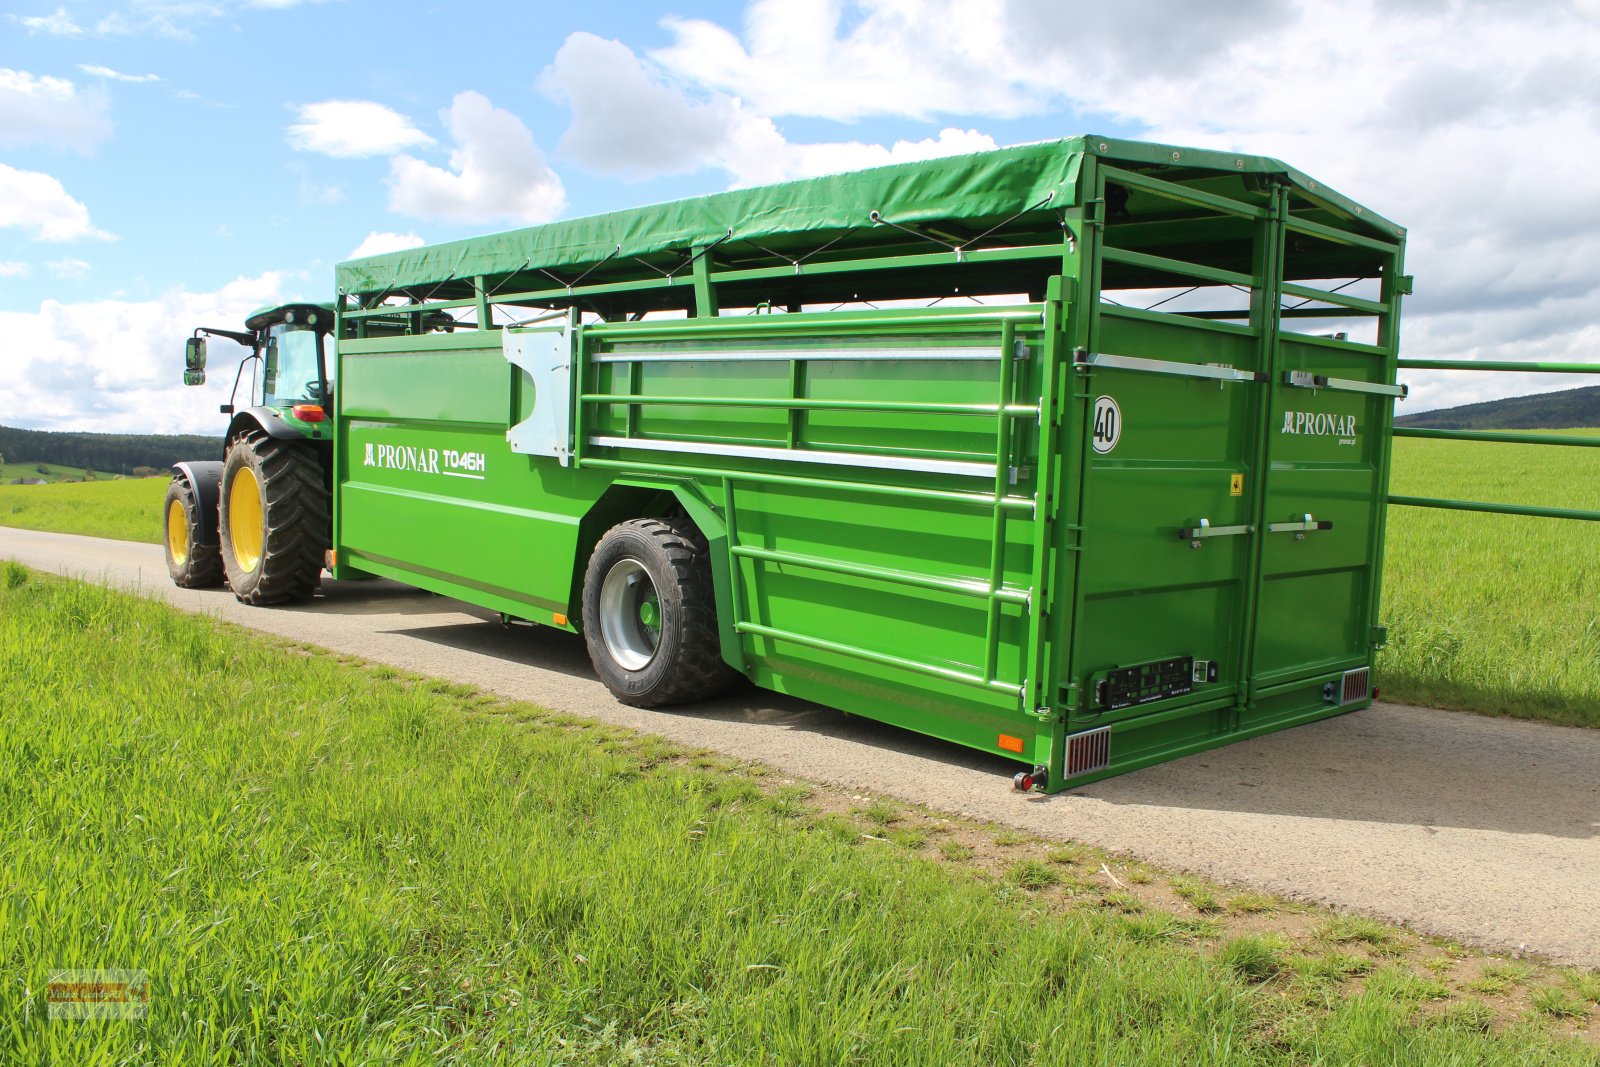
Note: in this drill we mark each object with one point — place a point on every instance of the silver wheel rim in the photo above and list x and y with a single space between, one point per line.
628 601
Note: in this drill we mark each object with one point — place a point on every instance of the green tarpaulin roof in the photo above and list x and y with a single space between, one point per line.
793 215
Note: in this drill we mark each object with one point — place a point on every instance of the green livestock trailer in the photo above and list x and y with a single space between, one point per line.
1074 452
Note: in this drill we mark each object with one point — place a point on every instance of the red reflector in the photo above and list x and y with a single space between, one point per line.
1376 692
1010 744
309 413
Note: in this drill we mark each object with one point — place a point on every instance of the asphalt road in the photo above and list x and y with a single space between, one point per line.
1487 830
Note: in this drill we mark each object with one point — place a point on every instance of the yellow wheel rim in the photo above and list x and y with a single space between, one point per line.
244 519
177 533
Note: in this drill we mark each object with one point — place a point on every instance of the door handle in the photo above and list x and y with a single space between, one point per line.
1195 534
1301 528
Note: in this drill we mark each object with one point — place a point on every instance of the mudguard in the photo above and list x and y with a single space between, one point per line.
264 419
205 477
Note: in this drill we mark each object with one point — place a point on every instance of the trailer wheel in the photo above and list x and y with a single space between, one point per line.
273 518
192 564
649 614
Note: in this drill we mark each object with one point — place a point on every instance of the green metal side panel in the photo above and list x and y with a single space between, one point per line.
431 494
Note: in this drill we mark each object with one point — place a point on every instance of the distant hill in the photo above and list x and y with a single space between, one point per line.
118 453
1541 411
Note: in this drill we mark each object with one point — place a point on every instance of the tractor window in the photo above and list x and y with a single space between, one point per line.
292 375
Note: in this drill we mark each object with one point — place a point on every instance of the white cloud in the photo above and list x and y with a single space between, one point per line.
59 24
115 365
353 128
69 268
497 172
33 201
378 242
51 111
630 119
11 268
116 75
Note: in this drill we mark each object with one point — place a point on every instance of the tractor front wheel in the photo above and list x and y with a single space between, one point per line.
192 563
273 518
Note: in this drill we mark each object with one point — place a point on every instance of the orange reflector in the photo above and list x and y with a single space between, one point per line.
559 619
309 413
1010 744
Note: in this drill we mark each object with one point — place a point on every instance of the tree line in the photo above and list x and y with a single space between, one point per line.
118 453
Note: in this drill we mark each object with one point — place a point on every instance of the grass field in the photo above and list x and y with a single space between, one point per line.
1494 613
1488 613
53 472
129 510
317 861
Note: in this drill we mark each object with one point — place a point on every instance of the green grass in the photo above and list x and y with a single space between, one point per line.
128 510
319 862
1494 613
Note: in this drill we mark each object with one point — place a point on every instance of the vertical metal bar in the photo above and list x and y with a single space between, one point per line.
1266 318
481 295
705 293
635 388
580 379
1081 272
1002 479
1389 293
797 384
735 561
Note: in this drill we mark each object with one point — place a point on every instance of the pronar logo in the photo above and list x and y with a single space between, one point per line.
1320 424
445 461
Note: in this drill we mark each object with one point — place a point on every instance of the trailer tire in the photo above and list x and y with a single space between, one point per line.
192 563
650 616
273 519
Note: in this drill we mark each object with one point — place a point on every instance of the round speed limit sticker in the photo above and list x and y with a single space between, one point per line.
1107 424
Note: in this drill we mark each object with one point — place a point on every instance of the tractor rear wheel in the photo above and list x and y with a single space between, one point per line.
192 564
649 614
273 518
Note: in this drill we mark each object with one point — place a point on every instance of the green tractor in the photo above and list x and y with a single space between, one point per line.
260 518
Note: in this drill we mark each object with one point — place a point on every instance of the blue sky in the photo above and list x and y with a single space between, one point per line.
164 162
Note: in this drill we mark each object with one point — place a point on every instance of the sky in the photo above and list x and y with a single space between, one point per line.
172 163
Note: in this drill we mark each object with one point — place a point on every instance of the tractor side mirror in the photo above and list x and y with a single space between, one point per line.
194 361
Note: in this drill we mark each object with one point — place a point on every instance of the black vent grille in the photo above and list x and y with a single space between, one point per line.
1089 751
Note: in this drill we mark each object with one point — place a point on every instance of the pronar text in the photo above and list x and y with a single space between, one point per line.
1321 424
446 461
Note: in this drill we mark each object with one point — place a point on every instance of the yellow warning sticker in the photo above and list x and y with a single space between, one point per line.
1236 485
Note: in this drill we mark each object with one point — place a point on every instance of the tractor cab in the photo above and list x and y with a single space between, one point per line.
291 368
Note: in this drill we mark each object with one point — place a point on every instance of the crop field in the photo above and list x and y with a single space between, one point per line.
129 510
320 861
1489 613
1494 613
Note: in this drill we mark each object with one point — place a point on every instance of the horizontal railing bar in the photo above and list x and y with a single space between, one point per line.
1498 436
829 322
1182 193
1503 364
945 353
985 501
982 255
976 589
946 673
1325 296
783 454
907 407
1496 509
1176 266
1338 236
